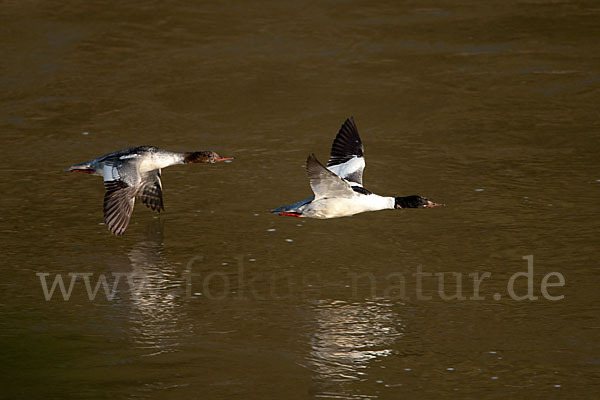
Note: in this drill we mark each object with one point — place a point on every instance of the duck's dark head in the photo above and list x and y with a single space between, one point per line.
414 201
203 157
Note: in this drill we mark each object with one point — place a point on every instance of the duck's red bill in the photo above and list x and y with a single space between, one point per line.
224 159
85 171
291 214
431 204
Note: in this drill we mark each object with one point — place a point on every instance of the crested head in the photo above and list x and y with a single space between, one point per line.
201 157
414 201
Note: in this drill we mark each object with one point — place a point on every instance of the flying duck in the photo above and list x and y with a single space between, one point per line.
338 189
135 172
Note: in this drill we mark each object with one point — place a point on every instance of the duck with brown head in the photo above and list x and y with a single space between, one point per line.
136 172
203 157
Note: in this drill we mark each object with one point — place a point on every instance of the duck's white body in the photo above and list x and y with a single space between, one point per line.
136 160
342 207
159 160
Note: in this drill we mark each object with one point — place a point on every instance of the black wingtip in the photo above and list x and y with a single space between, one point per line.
346 145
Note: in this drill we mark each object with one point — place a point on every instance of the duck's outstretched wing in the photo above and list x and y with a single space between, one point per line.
151 191
324 183
347 154
118 205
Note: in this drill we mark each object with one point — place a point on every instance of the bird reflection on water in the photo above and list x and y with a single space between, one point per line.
156 309
348 336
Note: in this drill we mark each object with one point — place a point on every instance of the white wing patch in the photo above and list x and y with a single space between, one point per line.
125 157
110 173
350 170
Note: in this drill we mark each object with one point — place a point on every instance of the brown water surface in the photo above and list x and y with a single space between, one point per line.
491 109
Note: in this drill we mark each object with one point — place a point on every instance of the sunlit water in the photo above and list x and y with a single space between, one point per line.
492 110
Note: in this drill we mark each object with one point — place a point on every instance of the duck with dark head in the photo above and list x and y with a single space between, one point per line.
414 201
338 187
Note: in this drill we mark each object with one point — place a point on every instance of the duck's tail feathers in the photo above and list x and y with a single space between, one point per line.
86 168
292 208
